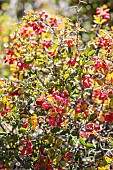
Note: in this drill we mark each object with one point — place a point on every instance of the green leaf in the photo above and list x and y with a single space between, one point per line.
92 116
29 61
59 141
84 151
50 151
27 165
111 103
90 63
90 145
18 159
50 139
62 163
110 96
82 141
55 130
74 133
91 52
69 49
72 142
58 158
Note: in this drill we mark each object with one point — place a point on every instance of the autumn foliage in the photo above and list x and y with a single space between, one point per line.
56 109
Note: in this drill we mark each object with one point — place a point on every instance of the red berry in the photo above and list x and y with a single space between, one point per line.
64 94
39 101
29 150
77 106
98 11
86 112
22 140
23 150
96 127
25 125
106 16
45 106
83 134
89 127
78 110
29 145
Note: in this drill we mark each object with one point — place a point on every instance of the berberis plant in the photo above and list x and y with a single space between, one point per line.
57 107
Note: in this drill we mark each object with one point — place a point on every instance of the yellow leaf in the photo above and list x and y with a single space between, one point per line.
108 160
106 102
97 19
34 117
103 168
108 77
65 123
4 99
97 88
95 100
1 82
104 6
50 98
52 114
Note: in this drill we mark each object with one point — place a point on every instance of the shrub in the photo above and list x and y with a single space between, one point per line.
57 107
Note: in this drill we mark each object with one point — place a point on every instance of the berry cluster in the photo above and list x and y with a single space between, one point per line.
27 147
87 82
103 12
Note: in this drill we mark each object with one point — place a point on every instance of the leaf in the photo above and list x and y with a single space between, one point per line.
55 130
74 133
29 61
72 142
108 77
91 53
27 165
97 19
50 139
110 96
89 145
64 132
93 116
101 117
59 142
84 106
42 95
90 63
50 151
82 141
111 103
65 123
1 105
108 159
58 158
4 99
69 49
104 167
62 163
52 114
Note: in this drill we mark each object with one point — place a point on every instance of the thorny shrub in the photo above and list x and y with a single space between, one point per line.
57 107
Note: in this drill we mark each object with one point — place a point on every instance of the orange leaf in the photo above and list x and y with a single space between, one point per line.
42 95
101 117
